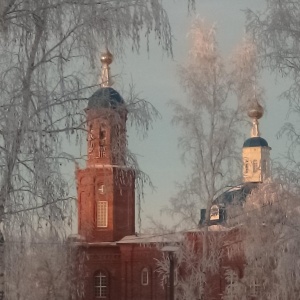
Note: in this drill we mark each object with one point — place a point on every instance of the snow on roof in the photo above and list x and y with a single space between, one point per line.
169 248
216 227
108 244
152 238
235 188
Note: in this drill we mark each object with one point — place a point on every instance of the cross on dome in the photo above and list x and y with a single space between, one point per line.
105 79
255 112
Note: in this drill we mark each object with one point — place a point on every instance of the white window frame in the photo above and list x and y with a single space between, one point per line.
145 276
102 214
100 285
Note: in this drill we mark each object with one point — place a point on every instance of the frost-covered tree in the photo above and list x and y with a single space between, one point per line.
210 119
276 31
191 270
40 267
47 51
269 235
245 74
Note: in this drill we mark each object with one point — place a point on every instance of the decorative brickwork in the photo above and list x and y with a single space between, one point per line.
106 187
106 214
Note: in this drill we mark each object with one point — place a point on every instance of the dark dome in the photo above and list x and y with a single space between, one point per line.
255 142
235 194
105 97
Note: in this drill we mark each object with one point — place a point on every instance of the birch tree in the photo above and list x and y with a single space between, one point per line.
269 233
276 31
193 271
210 120
48 49
40 267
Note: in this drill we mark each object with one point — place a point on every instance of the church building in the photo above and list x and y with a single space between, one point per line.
115 263
256 170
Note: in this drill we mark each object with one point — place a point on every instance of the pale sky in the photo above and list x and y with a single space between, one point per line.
154 75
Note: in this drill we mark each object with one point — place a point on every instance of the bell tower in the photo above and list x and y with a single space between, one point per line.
106 187
256 151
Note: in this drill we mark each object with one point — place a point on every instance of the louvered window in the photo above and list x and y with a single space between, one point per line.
255 166
102 213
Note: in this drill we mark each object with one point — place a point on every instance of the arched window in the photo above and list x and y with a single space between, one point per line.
91 139
264 166
100 285
214 213
145 276
102 135
255 288
246 166
255 165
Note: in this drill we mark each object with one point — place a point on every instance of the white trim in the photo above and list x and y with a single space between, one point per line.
101 285
145 276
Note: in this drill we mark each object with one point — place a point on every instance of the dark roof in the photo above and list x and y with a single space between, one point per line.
235 194
255 142
105 97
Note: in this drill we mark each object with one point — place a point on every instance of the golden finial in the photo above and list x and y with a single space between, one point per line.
106 59
255 112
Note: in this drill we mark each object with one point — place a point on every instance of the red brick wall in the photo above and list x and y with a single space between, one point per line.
134 259
125 262
120 196
106 132
224 241
106 259
123 265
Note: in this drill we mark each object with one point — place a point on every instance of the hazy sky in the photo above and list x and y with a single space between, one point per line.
154 75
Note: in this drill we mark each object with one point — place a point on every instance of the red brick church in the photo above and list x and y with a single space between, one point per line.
118 264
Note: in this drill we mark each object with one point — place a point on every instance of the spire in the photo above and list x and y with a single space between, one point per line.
255 112
105 79
256 151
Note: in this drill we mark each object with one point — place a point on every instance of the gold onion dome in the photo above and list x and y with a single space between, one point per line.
255 110
106 58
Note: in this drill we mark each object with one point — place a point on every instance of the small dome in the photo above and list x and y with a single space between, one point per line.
255 142
105 97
